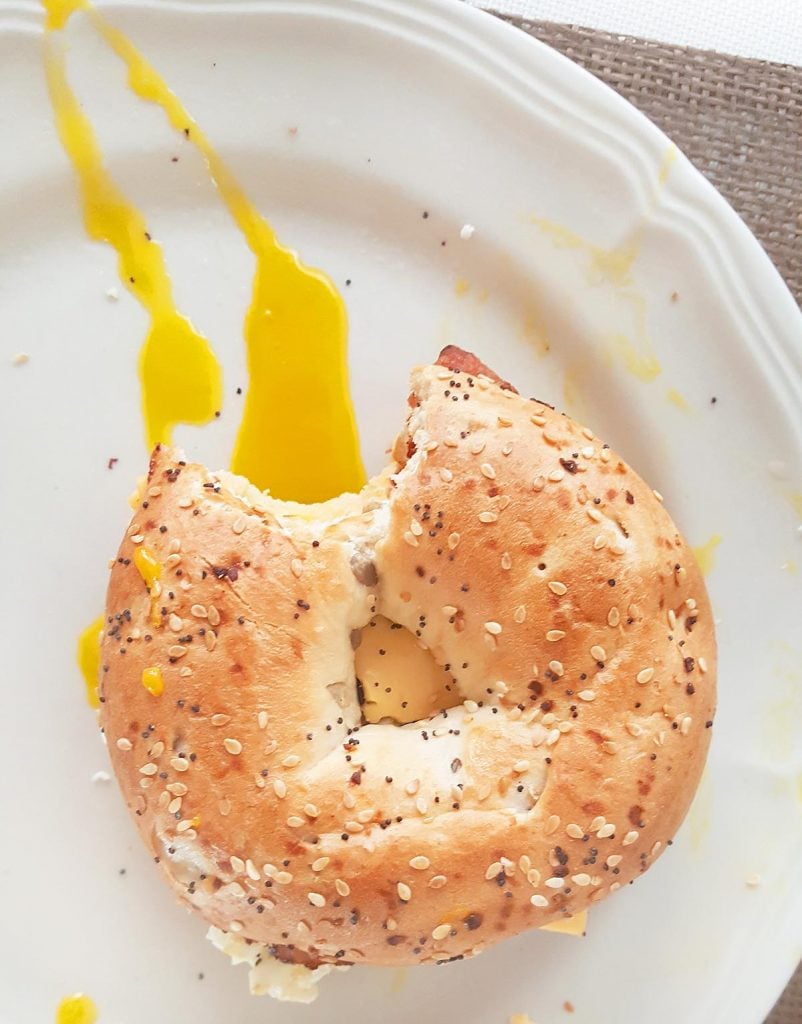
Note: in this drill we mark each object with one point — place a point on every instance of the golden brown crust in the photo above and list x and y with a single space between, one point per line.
554 585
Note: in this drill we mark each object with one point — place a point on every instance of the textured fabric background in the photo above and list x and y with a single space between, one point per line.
769 29
740 121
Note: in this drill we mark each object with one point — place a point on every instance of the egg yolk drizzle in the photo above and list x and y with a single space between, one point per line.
296 330
77 1009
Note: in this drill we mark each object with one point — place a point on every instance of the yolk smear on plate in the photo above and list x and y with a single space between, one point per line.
89 659
77 1009
298 434
705 553
180 377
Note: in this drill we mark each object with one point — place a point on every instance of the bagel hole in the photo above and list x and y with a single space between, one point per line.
398 679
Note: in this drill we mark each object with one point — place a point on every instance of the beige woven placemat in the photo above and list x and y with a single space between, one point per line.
740 122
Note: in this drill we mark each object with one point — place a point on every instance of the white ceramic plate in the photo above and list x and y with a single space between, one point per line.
401 107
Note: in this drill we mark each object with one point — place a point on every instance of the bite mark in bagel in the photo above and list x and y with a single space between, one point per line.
525 555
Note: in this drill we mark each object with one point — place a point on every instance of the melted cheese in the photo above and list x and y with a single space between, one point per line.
400 679
576 925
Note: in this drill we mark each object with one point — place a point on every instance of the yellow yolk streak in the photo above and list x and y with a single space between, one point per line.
150 570
298 434
77 1009
153 681
180 376
89 659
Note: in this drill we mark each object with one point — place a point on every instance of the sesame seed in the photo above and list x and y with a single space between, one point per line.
437 881
412 787
172 561
557 668
291 761
594 514
349 800
685 725
232 746
311 811
421 805
533 877
539 421
506 561
655 849
210 638
672 619
554 635
552 824
283 877
149 769
574 831
581 879
556 475
503 421
753 881
177 788
453 540
261 719
446 475
606 831
213 615
237 864
600 542
354 826
296 567
137 538
404 892
587 695
634 729
487 470
494 870
185 502
520 613
411 539
316 899
199 611
613 618
174 805
614 860
179 764
419 863
124 744
538 483
550 436
557 588
220 719
488 517
176 651
538 901
280 788
554 882
235 926
250 870
295 822
157 749
645 676
598 653
448 610
493 628
630 838
441 932
702 663
238 526
343 888
320 863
